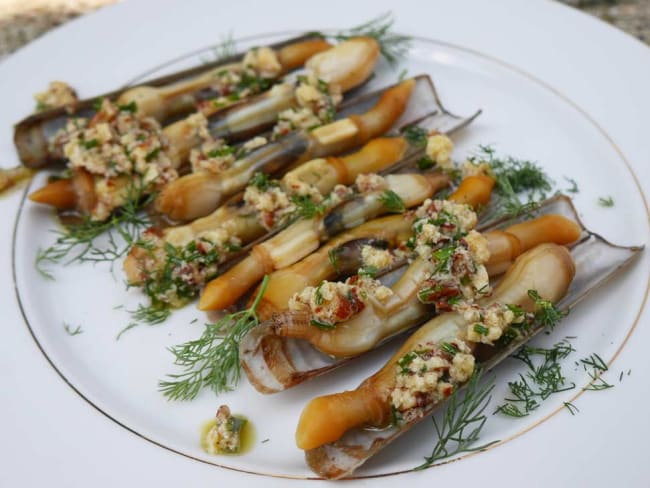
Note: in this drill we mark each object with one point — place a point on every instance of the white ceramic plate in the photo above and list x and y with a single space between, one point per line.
528 111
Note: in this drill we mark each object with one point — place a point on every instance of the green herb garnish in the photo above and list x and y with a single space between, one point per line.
222 51
481 329
571 408
513 177
392 46
405 361
462 421
211 362
73 332
370 271
546 314
596 366
151 155
606 201
129 107
543 378
425 163
415 135
90 144
392 201
318 294
449 348
574 185
306 207
97 104
322 325
333 255
78 242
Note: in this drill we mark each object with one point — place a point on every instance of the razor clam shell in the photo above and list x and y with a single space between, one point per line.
257 115
597 260
32 133
273 365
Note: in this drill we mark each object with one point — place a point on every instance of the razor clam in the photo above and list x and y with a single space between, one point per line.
274 363
238 220
474 190
596 260
343 67
357 57
329 446
32 134
199 194
378 155
305 236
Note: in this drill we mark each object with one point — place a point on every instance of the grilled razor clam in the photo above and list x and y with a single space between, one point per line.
259 64
344 66
315 178
303 237
325 421
406 306
473 190
191 265
196 195
109 144
33 135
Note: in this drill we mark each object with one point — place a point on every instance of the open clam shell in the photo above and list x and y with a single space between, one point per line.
596 260
274 363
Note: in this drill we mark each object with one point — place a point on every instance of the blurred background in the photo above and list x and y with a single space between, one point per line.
23 20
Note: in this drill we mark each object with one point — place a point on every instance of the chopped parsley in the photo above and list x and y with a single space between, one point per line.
415 135
306 207
90 144
131 107
322 325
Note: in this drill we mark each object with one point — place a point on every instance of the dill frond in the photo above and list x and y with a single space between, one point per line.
212 360
392 46
515 179
462 421
392 202
80 242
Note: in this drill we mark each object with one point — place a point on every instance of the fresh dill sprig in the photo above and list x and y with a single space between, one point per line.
546 314
595 367
224 50
462 421
595 362
606 201
597 382
571 408
392 202
153 314
542 379
79 242
514 177
574 185
212 360
392 46
73 332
